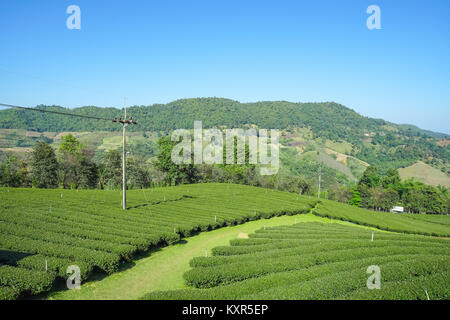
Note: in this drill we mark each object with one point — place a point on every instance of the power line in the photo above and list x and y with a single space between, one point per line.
124 122
54 112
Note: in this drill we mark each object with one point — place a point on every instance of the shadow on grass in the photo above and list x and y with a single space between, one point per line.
98 275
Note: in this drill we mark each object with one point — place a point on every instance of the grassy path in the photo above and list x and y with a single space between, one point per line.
164 268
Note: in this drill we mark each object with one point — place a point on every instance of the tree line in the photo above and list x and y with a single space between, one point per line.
72 166
382 192
387 144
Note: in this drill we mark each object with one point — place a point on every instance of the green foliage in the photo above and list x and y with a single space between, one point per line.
44 166
138 176
356 198
13 172
317 261
384 148
308 168
25 281
370 177
384 192
111 170
431 225
77 168
87 227
179 173
70 146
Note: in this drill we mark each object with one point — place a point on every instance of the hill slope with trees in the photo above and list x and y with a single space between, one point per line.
375 141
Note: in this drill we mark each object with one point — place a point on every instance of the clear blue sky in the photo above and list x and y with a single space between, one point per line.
300 51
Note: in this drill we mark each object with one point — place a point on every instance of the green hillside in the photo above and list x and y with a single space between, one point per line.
425 173
58 228
319 261
54 229
374 141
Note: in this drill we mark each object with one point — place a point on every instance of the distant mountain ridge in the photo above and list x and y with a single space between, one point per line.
375 141
212 111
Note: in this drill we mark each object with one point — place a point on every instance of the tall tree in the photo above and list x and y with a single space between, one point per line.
13 172
392 178
137 173
111 173
178 173
356 198
77 168
44 166
370 177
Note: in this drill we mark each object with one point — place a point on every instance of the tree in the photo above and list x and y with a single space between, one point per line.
340 193
44 166
111 173
137 173
13 172
370 177
390 199
88 176
356 198
179 173
294 184
70 145
377 197
77 168
414 201
391 179
366 197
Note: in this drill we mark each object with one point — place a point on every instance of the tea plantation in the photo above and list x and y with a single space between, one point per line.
426 224
320 261
45 231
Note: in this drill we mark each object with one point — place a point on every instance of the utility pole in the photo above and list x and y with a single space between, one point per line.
124 123
124 158
320 176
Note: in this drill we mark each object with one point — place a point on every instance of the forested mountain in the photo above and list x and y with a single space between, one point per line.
375 141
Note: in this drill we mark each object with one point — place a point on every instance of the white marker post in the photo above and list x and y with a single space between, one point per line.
206 253
426 292
372 236
46 265
215 218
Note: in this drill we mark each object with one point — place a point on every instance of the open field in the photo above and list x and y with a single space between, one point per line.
44 231
424 173
163 269
87 228
319 261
